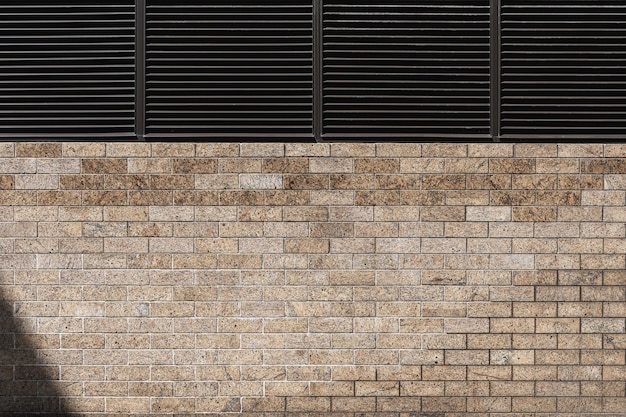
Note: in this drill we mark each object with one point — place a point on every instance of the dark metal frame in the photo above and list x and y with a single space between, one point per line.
140 70
317 133
495 62
318 69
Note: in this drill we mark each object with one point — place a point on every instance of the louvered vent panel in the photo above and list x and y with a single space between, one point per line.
406 68
229 68
564 67
67 68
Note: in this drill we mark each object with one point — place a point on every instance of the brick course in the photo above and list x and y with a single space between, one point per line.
392 280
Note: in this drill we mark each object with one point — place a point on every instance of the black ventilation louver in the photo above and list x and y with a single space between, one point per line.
67 68
564 68
229 68
406 68
431 69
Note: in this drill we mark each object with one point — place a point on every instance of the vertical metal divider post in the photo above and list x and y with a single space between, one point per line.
318 68
495 29
140 70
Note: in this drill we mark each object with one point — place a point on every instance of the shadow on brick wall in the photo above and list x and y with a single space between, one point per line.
27 386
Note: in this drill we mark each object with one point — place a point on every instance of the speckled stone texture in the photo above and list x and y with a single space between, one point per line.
291 279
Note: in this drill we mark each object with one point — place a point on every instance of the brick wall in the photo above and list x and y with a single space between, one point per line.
352 279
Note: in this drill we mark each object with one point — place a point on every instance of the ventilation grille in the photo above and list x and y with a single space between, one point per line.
67 68
564 67
406 68
229 68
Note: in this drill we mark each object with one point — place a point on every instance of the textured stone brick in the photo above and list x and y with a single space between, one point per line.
513 198
535 149
558 165
58 166
7 182
104 166
398 182
384 279
194 166
488 181
331 165
603 166
18 165
444 150
511 165
306 182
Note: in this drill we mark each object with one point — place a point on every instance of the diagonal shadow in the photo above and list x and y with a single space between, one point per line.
27 386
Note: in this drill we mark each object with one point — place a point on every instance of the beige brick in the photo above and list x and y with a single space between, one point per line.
511 229
512 388
534 182
443 182
500 261
558 261
614 277
36 182
466 294
353 246
421 388
376 357
479 325
488 181
449 214
561 293
331 261
489 404
308 404
558 165
512 357
347 404
517 325
614 309
465 198
579 373
530 404
394 404
603 325
603 261
330 165
448 341
580 245
398 181
347 213
534 373
580 309
597 388
580 277
579 341
491 214
561 325
444 150
535 309
471 230
334 197
306 149
430 309
466 357
417 325
553 388
604 357
535 149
